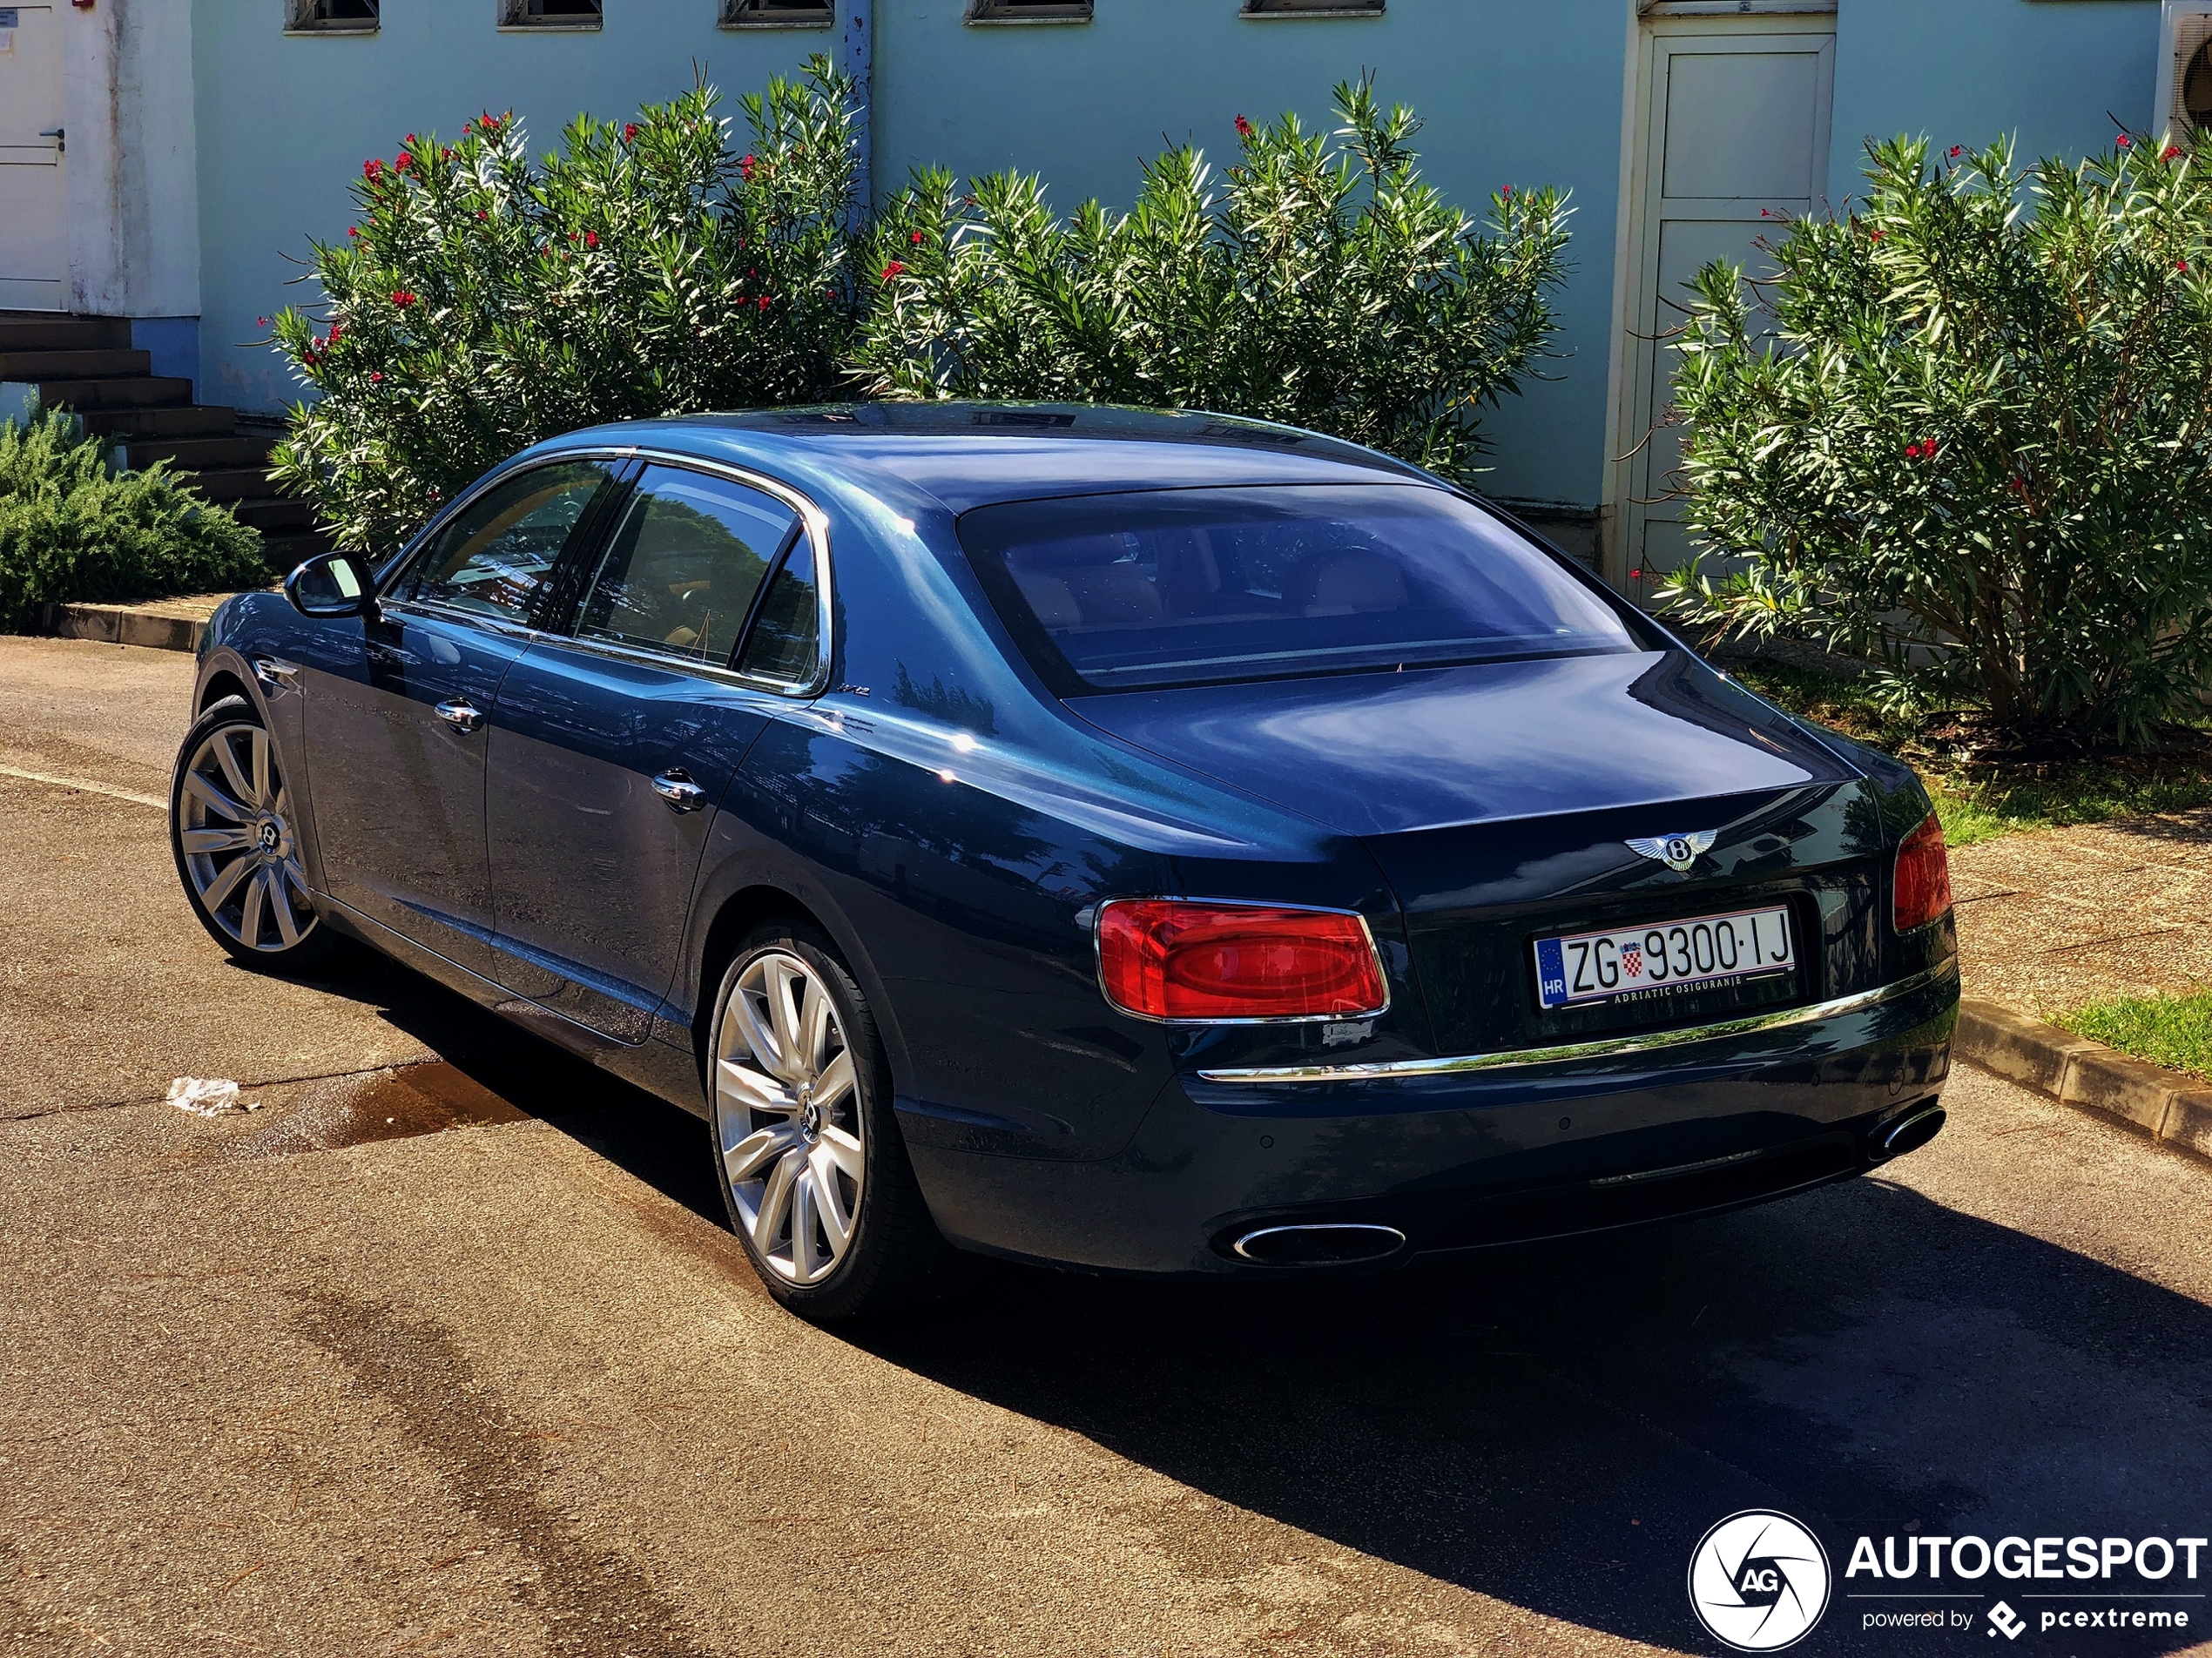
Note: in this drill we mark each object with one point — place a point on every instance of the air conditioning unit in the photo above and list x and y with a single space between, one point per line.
2183 105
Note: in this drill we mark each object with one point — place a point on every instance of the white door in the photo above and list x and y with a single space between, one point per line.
1735 140
34 242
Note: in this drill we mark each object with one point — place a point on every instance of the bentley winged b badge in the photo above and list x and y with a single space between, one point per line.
1677 852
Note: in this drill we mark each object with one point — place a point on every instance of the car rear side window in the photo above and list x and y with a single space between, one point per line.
785 645
683 568
495 557
1199 586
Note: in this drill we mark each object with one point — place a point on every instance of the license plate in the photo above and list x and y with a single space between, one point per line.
1644 963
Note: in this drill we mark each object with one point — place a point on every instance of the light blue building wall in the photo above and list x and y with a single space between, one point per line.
285 121
1519 92
2053 73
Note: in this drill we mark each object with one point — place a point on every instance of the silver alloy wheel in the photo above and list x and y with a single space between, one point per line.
234 829
787 1118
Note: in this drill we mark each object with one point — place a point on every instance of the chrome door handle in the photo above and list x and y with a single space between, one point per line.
681 793
462 714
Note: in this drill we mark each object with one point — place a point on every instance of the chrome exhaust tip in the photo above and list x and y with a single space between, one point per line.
1328 1243
1910 1133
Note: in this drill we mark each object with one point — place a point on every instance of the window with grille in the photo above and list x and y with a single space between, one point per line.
330 16
1028 11
1313 8
778 14
550 14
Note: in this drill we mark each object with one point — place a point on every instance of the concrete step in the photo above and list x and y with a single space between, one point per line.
233 483
273 516
189 452
71 365
188 421
148 391
44 331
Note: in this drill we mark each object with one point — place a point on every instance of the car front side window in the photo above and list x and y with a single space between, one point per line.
497 555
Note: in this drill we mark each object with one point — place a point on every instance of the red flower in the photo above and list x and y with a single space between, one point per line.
482 214
764 300
261 321
402 299
1506 193
1635 574
630 133
893 269
2172 150
336 328
591 238
1913 451
410 137
403 161
2017 486
2181 265
353 230
915 239
2125 141
373 169
745 166
1958 149
1873 236
1244 128
376 378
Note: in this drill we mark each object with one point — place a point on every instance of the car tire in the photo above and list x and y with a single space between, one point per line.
813 1169
232 830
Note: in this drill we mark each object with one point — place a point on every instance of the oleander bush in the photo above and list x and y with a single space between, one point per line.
71 527
1318 281
1967 428
487 298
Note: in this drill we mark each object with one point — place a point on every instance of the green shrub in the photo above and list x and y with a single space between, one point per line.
1977 441
486 300
73 529
1318 282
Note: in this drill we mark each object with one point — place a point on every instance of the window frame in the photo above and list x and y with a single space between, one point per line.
1278 8
300 19
989 14
734 14
588 528
514 18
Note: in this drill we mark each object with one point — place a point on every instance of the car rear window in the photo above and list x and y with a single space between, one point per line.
1198 586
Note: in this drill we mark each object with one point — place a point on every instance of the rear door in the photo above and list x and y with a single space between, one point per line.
613 747
398 710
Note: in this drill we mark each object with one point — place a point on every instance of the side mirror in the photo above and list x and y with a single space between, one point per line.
333 584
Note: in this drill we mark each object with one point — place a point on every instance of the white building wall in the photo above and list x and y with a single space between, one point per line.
132 175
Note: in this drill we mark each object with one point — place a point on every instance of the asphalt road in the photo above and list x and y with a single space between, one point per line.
445 1350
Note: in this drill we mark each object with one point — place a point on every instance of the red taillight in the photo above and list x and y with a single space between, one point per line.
1170 958
1922 891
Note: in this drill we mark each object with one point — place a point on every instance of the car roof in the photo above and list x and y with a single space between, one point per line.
967 454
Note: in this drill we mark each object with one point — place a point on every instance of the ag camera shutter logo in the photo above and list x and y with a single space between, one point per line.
1759 1581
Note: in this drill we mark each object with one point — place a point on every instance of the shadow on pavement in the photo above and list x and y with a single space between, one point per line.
1556 1427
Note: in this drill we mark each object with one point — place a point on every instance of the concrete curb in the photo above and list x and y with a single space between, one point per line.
2170 1108
122 624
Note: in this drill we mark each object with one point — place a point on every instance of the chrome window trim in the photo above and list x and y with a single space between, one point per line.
814 520
1608 1047
1098 961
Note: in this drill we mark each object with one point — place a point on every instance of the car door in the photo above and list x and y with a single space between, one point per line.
399 706
613 747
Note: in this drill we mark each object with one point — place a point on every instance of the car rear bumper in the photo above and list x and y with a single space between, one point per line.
1465 1157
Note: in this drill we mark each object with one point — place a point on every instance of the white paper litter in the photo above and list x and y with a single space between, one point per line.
208 1096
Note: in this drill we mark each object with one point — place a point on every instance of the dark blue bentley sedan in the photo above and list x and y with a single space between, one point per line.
1140 841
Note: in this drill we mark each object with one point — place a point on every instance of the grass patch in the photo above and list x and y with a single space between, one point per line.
2172 1031
1979 797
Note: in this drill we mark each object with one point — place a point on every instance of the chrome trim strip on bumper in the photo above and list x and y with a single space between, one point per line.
1511 1059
